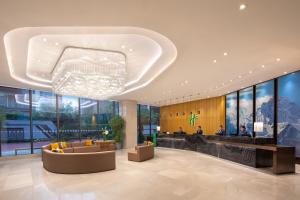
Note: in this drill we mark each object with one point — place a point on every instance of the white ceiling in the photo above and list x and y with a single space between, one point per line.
202 30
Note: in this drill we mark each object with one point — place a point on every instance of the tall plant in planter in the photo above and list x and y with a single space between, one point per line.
117 125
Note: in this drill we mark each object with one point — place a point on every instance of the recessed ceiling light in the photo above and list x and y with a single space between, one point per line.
225 53
123 46
186 82
130 50
250 72
277 59
263 66
284 72
243 7
56 43
215 61
45 39
231 80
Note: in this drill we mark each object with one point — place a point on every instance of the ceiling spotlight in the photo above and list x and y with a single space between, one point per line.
130 50
215 61
250 72
284 72
225 53
263 66
277 59
231 80
186 82
45 39
56 43
243 7
123 46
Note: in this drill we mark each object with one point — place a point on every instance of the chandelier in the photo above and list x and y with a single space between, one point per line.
96 74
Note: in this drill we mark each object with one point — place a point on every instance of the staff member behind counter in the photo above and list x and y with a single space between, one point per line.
199 131
221 131
243 132
180 131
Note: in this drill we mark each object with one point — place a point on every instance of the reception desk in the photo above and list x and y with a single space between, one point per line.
254 152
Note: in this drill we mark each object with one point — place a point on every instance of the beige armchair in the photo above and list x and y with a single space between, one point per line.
141 153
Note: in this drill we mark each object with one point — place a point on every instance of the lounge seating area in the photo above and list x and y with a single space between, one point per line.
79 157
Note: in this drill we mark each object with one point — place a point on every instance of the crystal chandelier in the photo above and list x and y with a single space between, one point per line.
96 74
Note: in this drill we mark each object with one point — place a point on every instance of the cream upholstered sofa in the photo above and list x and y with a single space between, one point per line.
78 158
141 153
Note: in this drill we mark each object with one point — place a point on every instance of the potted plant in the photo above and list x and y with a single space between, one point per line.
117 125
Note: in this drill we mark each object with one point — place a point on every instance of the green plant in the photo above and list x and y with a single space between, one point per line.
117 124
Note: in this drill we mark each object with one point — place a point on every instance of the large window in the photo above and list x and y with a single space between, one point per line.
154 118
31 118
246 109
265 108
231 113
107 109
147 120
44 121
14 116
88 118
289 111
69 127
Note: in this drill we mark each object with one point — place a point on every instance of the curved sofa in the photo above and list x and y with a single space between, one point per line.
91 160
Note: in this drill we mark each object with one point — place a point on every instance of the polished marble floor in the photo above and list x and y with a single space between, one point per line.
172 174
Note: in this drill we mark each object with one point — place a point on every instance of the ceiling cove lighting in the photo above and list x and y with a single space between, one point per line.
112 60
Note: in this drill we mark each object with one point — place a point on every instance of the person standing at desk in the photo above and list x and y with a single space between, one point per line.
199 130
180 131
221 131
243 131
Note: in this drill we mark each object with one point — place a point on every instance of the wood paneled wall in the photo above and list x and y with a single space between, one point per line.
212 115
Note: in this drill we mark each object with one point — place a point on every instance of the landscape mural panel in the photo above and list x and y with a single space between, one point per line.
289 111
265 108
246 109
231 113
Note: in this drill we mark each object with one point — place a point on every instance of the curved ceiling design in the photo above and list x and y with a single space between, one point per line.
94 62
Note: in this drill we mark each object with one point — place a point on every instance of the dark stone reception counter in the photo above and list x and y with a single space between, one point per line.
254 152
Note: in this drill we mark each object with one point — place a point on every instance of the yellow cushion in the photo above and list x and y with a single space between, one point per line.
88 143
60 151
63 145
54 146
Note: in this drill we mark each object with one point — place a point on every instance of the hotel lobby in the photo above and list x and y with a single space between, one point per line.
137 99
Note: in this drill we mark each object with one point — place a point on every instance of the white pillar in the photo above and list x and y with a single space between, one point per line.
128 110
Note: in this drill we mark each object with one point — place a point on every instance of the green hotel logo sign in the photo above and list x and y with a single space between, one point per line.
193 119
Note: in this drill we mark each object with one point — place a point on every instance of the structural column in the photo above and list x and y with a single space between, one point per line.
128 110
